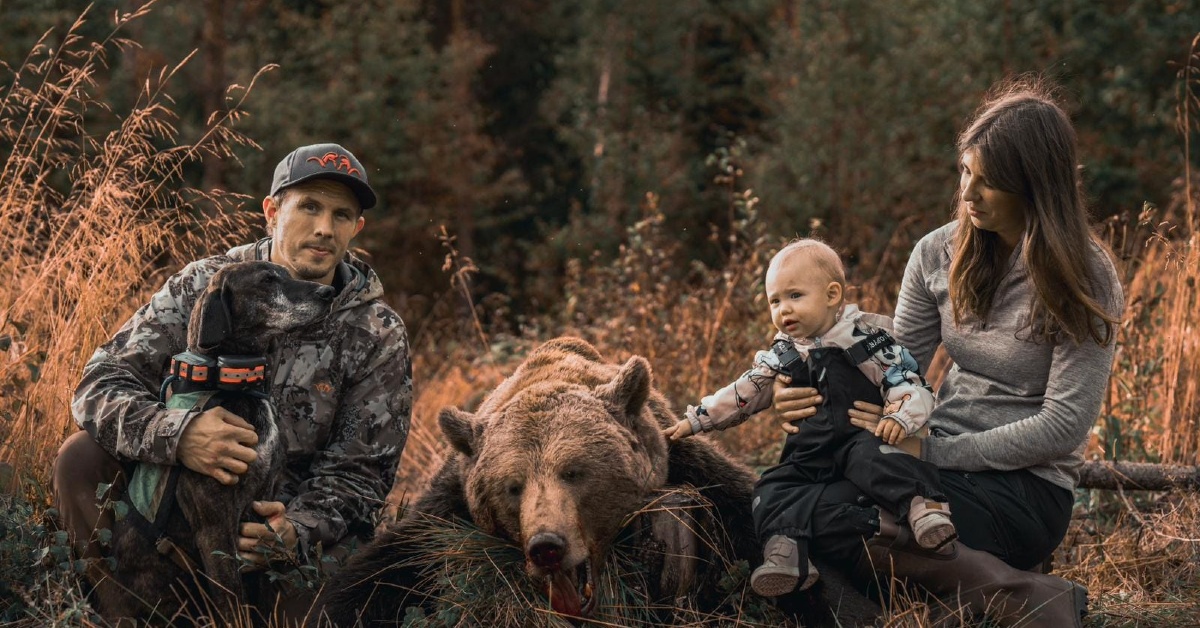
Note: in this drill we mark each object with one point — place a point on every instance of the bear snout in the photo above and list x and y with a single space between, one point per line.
546 550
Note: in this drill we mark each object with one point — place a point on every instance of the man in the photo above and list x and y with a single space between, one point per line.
343 393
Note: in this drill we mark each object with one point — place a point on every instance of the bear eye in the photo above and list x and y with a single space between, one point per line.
514 489
572 474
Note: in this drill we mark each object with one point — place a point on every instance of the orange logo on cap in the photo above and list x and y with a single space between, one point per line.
340 162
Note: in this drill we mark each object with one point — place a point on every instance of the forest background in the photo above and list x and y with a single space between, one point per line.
614 169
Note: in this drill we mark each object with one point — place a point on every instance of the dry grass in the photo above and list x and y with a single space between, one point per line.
1139 558
479 580
1155 398
91 223
92 218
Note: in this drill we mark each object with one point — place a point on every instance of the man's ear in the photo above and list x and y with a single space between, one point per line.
358 227
834 292
270 211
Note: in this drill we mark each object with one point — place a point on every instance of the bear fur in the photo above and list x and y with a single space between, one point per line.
555 460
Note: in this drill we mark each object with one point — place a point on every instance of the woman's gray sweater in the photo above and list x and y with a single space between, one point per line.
1008 402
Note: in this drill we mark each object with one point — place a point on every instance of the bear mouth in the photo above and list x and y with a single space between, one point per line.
571 591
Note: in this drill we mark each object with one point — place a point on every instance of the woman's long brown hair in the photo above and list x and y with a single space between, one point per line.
1026 145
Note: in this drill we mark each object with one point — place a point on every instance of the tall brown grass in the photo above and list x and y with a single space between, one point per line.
90 222
1154 401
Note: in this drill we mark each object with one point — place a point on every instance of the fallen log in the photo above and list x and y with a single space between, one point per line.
1139 476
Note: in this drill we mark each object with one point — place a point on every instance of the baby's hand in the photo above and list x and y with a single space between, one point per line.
890 431
682 429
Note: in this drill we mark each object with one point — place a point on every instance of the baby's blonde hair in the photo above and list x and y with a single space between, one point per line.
822 256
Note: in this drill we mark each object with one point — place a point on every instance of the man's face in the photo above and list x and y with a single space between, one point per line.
312 227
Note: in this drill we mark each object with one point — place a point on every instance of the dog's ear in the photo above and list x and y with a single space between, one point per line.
215 325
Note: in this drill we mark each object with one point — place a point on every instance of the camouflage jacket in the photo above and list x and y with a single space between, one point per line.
343 391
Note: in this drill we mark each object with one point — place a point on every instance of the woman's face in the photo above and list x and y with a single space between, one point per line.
988 208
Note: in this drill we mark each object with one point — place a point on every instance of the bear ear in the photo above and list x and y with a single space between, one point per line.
629 390
461 429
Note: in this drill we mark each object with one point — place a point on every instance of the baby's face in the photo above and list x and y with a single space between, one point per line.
804 302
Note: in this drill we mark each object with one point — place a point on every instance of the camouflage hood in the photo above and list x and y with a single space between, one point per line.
361 284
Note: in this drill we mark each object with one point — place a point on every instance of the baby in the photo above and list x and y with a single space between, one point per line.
848 356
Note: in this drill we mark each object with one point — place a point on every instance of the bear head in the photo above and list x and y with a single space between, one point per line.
557 459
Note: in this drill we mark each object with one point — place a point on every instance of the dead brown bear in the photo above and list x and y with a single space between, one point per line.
555 460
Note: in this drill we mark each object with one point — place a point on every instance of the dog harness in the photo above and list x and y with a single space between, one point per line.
194 379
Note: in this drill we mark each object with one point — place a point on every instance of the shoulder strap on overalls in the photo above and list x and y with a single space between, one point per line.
862 350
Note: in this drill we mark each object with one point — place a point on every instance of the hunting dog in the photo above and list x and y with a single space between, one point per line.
194 523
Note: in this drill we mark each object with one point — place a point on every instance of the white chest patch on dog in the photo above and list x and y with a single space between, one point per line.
268 439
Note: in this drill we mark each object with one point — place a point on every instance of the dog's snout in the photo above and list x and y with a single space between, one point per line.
326 292
546 550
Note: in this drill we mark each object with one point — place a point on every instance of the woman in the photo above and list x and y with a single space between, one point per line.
1025 300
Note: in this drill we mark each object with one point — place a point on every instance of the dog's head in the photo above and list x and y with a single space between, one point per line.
248 303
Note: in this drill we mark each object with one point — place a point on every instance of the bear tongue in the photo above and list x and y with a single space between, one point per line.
564 599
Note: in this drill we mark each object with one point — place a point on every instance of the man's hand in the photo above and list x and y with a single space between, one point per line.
682 429
218 443
793 404
890 431
259 544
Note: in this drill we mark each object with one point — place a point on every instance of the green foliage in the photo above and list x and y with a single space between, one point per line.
647 90
366 75
20 552
645 299
39 570
534 134
1120 62
865 98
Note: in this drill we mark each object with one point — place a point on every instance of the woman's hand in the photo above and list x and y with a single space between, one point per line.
793 404
867 416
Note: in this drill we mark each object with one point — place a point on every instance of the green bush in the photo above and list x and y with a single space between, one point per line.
37 560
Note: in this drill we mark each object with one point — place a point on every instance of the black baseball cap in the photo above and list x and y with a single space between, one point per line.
324 161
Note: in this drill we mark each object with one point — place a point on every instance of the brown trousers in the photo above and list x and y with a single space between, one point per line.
82 465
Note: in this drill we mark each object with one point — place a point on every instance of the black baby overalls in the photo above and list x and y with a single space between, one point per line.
828 448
